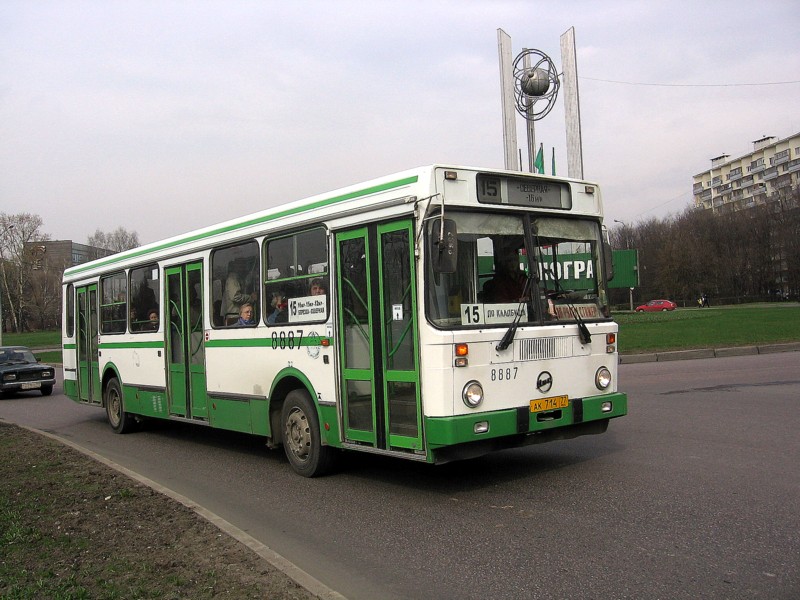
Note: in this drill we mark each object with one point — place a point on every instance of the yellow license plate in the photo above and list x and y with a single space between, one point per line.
552 403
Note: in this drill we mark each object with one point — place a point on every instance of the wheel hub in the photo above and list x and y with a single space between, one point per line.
298 434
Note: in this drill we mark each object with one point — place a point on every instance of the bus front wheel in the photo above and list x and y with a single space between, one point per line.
302 439
120 421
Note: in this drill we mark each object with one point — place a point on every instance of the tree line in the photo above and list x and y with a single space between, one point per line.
743 256
30 282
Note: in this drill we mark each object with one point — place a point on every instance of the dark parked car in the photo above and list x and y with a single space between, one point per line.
657 306
20 371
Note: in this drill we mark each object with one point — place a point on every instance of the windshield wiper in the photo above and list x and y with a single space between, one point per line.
508 337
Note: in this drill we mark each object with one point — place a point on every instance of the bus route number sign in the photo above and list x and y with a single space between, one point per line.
518 191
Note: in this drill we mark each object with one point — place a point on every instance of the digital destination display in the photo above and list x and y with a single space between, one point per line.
518 191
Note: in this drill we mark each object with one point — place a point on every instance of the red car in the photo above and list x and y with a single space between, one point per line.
656 306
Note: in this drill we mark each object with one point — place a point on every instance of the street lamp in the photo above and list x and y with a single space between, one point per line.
2 322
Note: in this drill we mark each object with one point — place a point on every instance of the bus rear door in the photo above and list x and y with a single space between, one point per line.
88 358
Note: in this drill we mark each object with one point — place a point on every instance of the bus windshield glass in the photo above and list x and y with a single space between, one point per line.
535 270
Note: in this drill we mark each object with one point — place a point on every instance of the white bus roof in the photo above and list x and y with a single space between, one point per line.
413 182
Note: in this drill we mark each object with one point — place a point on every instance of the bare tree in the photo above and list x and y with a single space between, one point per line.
118 240
15 268
44 296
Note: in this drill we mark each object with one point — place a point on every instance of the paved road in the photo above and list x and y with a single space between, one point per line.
696 493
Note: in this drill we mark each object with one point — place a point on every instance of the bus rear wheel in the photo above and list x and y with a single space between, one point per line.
302 438
120 421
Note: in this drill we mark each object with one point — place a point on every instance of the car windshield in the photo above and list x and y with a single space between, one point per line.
16 356
542 270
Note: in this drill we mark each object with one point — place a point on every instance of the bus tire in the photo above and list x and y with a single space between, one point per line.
302 438
47 390
120 421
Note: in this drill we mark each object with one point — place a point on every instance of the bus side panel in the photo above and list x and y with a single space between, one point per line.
247 367
140 366
235 415
69 359
146 402
329 421
70 388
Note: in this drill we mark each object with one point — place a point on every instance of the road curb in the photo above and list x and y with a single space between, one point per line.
295 573
628 359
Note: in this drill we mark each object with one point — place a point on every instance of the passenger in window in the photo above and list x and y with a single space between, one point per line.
135 324
279 306
152 321
246 315
235 295
318 287
145 298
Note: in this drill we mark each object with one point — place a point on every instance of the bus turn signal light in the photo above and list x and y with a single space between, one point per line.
462 350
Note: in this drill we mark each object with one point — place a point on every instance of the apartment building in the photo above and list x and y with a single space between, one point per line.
766 174
60 254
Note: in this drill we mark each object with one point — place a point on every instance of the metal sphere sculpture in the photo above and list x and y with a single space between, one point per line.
535 85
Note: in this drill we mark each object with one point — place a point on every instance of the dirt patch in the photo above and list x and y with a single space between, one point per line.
74 528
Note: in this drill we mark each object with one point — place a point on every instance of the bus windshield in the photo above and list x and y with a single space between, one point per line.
537 270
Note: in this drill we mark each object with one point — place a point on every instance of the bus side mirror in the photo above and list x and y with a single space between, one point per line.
608 259
608 255
443 249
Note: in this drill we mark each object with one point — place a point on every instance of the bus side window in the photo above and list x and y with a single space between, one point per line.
113 303
293 264
236 268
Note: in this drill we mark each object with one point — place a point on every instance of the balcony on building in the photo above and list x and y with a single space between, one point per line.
770 173
781 157
735 174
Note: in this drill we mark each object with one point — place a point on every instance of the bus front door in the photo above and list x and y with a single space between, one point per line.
185 341
88 357
379 336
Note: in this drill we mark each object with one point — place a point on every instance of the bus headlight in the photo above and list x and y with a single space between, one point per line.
472 394
602 379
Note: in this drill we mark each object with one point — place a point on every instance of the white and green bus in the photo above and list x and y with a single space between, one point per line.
435 314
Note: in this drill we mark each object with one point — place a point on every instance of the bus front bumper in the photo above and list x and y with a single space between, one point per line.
464 436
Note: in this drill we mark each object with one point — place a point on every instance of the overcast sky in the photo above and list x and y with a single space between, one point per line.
167 116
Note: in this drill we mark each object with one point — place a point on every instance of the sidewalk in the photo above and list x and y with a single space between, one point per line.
708 353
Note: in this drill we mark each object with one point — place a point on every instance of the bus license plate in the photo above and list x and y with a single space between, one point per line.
30 386
552 403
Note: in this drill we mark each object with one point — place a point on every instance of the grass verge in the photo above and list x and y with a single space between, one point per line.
723 327
73 528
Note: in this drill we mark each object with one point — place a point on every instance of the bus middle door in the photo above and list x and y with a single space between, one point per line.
185 341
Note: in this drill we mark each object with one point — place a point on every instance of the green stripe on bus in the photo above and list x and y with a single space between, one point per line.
70 346
118 345
255 221
277 344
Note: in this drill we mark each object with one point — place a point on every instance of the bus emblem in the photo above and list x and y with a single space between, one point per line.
544 382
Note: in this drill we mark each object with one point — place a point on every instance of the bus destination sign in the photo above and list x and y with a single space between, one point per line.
518 191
